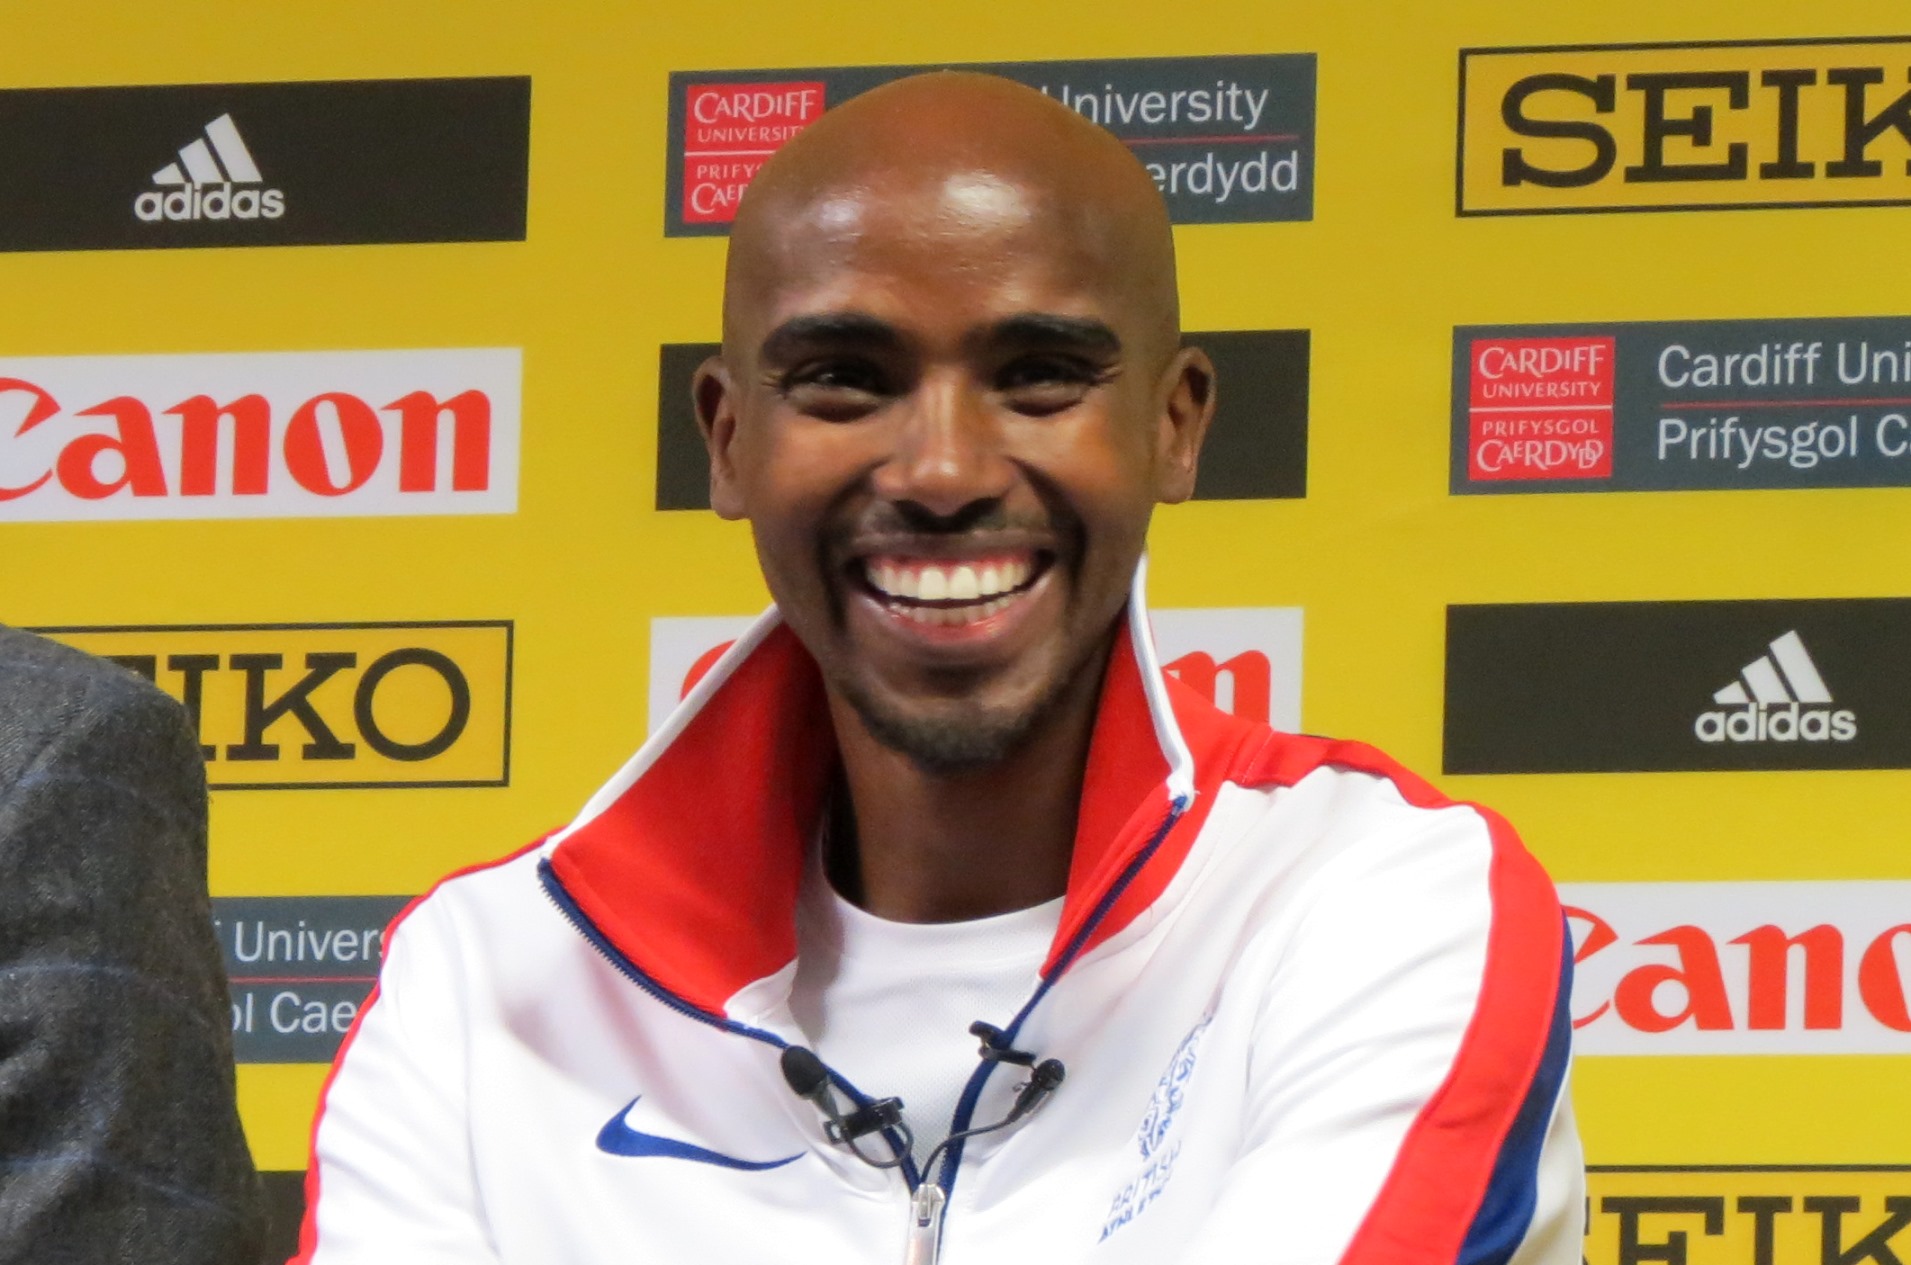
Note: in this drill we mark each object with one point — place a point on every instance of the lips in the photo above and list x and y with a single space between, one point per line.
952 592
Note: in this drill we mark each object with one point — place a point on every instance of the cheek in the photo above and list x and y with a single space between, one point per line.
793 476
1103 466
790 472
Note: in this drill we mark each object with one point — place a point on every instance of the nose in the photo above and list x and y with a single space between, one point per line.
947 453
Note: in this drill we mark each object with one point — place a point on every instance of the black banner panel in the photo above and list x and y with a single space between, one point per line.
264 164
1615 687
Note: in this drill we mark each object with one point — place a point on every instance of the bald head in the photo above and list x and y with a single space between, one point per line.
937 159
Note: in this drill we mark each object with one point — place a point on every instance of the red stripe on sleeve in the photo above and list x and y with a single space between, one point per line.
1440 1175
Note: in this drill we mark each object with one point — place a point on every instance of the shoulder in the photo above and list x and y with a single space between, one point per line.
53 691
100 775
1326 793
476 906
1346 813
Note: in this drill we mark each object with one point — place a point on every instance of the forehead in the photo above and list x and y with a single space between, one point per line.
968 246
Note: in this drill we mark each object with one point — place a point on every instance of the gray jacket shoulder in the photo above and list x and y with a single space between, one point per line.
46 688
122 1140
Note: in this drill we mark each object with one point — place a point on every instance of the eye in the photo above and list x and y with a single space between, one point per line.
837 389
1038 385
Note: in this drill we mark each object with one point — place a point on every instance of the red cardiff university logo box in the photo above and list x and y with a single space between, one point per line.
730 131
1540 408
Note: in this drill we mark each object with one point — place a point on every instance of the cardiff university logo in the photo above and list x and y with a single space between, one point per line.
201 186
1540 408
1246 659
1779 697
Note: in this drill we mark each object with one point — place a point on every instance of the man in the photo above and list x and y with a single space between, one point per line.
119 1136
1260 997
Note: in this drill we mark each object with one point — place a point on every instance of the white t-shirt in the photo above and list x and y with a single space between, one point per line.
889 1004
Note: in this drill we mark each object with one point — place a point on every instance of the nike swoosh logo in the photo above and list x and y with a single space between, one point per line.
618 1138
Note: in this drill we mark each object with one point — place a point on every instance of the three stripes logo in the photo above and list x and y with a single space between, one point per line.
214 179
1779 697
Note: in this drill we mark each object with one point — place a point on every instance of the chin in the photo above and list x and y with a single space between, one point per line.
957 735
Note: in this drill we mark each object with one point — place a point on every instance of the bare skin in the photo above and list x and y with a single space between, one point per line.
950 394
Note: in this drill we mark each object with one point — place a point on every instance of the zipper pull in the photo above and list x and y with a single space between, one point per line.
924 1243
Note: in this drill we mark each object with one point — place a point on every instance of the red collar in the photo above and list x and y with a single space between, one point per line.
688 861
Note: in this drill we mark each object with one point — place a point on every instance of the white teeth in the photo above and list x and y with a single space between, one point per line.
986 589
892 580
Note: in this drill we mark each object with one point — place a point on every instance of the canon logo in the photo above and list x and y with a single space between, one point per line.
1698 995
266 436
243 427
1741 968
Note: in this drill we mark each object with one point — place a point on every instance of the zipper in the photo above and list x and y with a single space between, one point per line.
928 1199
945 1175
924 1243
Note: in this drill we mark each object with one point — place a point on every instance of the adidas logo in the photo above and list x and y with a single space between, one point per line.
1779 697
202 183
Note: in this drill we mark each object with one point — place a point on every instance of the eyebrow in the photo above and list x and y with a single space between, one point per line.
1084 335
1081 334
837 328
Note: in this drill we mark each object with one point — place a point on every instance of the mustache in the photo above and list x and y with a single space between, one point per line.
908 518
902 526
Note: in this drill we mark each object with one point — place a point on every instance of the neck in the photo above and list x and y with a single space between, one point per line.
916 846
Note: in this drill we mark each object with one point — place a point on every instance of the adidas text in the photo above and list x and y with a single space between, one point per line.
1776 722
219 202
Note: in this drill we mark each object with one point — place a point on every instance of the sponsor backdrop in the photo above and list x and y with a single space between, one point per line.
408 511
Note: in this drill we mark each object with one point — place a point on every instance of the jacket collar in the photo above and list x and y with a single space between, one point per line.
687 862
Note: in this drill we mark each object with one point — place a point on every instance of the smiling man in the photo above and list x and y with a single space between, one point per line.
939 924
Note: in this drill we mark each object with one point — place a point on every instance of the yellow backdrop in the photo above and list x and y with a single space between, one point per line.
1374 553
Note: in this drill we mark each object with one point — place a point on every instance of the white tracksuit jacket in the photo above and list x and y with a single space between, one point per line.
1310 1010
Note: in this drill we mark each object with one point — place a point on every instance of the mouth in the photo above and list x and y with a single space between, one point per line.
965 596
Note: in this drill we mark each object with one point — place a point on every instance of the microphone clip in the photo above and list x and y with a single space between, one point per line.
810 1080
883 1113
995 1048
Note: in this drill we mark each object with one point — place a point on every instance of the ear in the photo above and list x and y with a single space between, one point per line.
1186 409
713 396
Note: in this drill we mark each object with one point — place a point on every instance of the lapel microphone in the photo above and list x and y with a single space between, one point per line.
808 1079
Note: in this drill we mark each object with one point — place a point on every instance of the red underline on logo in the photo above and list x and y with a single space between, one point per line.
303 979
1206 140
727 153
1540 408
1773 403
